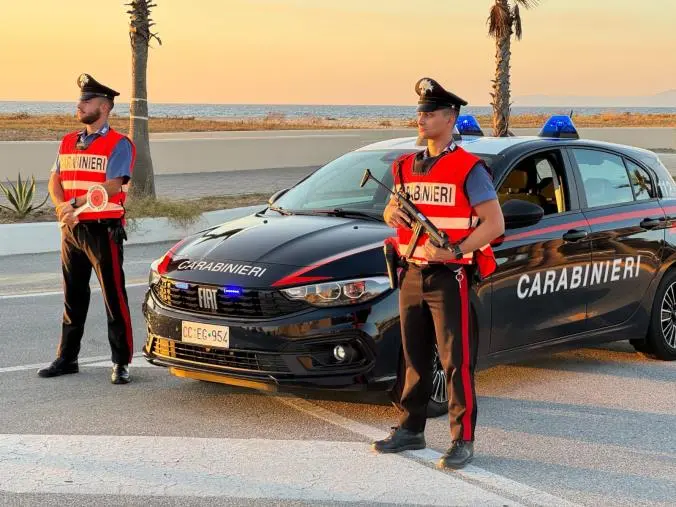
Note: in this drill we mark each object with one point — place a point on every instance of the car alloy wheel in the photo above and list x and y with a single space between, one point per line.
668 316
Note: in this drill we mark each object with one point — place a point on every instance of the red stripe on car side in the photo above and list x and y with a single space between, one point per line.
617 217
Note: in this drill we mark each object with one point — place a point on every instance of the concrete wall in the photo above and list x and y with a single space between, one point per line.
228 151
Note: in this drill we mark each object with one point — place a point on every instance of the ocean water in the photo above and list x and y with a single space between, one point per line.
232 111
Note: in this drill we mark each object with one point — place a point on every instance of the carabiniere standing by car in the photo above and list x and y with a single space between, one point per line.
97 155
453 188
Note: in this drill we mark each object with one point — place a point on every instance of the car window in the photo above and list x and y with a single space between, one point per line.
336 185
604 178
539 179
640 181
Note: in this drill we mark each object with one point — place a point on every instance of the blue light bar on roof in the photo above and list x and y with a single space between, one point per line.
559 127
468 126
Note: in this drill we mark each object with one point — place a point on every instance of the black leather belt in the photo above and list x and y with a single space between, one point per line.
103 221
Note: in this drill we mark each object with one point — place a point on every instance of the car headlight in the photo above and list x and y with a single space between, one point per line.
346 292
154 275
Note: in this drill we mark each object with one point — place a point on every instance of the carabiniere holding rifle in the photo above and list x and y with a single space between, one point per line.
447 192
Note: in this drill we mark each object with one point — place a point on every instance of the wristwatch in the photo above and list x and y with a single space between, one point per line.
457 252
72 203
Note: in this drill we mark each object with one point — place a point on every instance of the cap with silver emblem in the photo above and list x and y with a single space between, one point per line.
433 96
90 88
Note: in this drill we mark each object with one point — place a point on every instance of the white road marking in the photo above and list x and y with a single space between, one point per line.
95 361
137 363
312 470
23 367
470 473
60 292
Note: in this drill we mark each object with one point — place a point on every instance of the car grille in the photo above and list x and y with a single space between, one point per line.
249 304
223 358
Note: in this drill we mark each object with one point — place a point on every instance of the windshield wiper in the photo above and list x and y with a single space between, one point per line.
346 213
281 211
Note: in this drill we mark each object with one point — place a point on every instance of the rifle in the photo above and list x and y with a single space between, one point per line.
420 224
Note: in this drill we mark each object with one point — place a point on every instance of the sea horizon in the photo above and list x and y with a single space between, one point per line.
337 111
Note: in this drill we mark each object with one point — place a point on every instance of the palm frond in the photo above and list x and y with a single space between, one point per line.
499 21
527 3
140 21
518 29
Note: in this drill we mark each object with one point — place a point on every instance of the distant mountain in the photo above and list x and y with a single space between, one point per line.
664 99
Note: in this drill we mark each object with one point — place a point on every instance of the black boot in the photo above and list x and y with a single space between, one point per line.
458 455
400 439
120 374
59 367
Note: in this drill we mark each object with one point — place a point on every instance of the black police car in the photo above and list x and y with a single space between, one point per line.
297 294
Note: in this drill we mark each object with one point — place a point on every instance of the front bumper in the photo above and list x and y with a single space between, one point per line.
293 351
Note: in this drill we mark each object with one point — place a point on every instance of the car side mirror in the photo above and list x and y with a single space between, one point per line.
518 213
277 195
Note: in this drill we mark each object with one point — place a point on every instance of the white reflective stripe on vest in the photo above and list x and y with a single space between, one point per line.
85 185
454 222
78 184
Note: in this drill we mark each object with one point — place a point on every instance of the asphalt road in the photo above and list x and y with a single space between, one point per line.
590 427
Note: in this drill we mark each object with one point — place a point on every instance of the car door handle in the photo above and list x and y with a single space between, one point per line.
651 223
574 235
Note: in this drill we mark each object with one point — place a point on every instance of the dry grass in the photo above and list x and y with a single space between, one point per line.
181 213
25 127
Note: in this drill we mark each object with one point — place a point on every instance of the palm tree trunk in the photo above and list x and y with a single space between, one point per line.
501 94
143 179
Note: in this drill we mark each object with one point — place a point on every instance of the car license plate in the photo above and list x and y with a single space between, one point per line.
205 334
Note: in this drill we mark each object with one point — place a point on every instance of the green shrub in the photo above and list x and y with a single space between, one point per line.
20 196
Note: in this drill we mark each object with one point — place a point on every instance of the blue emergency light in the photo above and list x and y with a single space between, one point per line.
233 291
559 127
182 285
468 126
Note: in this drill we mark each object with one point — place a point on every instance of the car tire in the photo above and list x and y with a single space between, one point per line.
661 340
438 402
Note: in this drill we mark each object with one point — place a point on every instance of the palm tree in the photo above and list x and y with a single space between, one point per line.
143 180
503 22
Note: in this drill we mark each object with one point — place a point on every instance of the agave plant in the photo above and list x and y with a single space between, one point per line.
20 196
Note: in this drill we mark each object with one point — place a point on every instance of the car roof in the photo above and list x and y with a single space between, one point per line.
497 145
474 144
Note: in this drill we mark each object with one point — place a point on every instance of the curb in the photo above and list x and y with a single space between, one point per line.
43 237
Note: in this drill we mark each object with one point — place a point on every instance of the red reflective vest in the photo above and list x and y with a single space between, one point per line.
440 196
80 169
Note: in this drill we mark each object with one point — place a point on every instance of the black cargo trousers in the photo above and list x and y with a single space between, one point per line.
434 308
96 245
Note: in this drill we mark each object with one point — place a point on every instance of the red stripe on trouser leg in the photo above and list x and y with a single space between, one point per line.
124 310
466 377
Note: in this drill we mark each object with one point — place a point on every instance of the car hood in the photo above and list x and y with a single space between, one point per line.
264 251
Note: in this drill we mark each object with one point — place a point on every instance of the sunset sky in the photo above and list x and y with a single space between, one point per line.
336 51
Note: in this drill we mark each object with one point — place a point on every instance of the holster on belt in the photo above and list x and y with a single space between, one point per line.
393 262
117 232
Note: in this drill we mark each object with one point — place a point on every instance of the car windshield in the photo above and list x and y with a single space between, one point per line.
335 186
